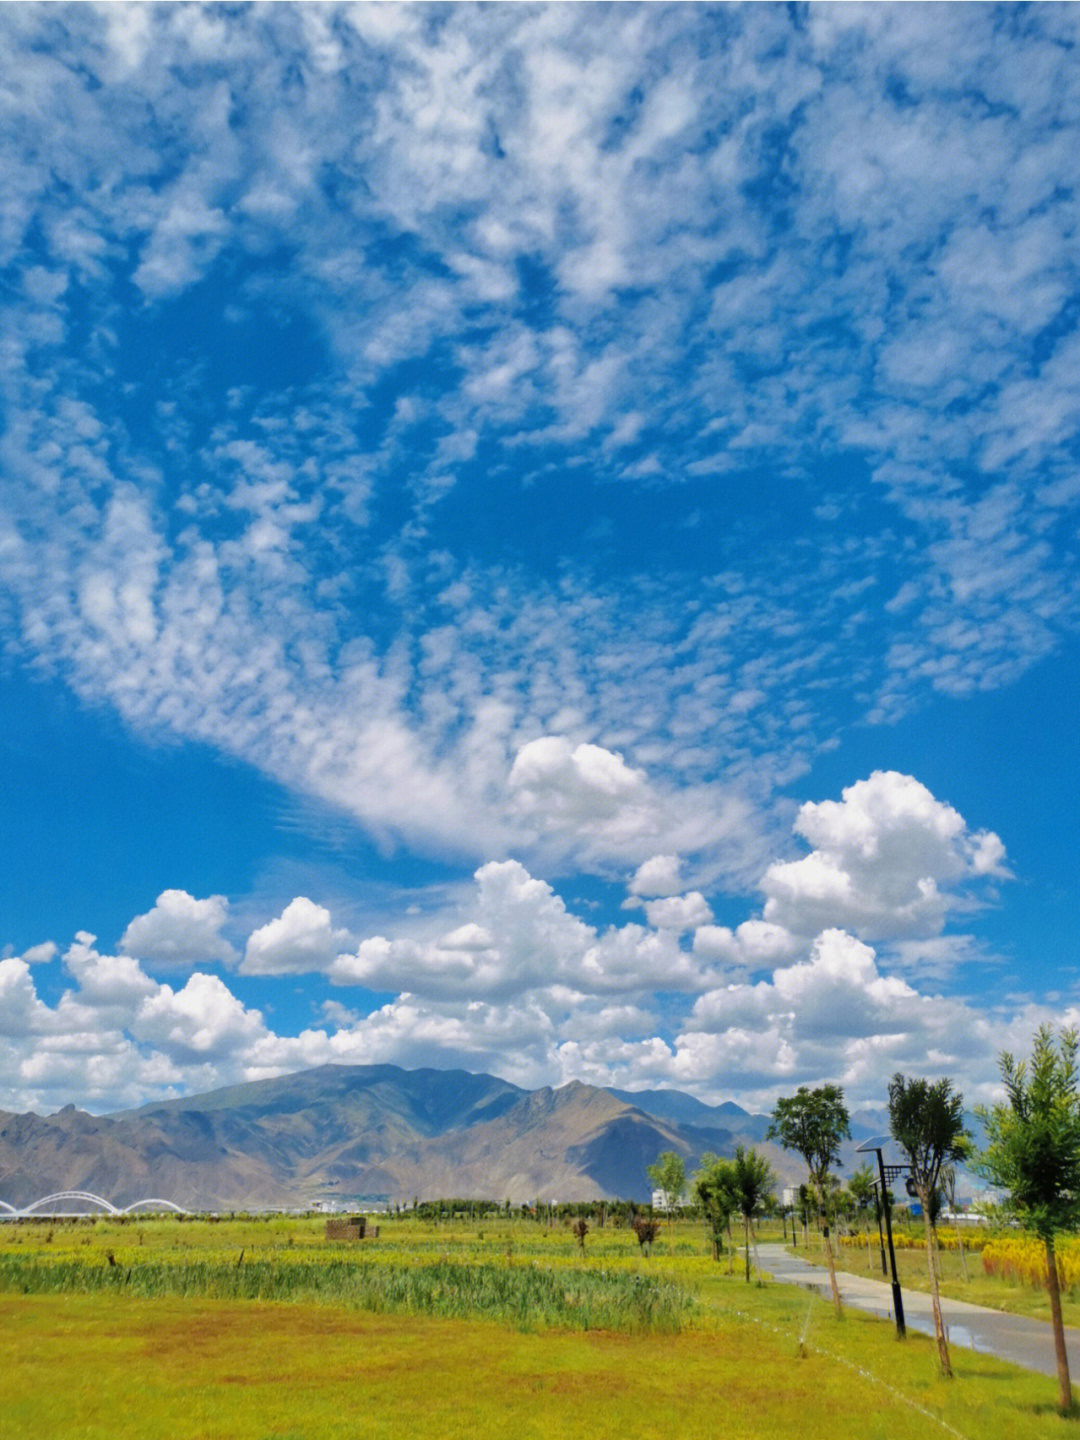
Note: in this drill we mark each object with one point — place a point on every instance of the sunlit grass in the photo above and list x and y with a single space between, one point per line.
473 1340
100 1366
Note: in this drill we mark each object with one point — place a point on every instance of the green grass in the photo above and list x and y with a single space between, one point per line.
526 1296
477 1342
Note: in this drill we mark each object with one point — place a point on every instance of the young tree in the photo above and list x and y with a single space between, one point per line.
752 1183
1034 1154
669 1175
715 1191
948 1193
863 1191
927 1122
813 1123
646 1231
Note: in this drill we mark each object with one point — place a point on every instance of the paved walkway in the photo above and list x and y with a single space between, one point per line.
1025 1342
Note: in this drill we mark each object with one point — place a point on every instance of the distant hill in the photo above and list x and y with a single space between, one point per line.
345 1134
683 1109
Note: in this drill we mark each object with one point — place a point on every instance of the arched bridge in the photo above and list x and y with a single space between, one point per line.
99 1206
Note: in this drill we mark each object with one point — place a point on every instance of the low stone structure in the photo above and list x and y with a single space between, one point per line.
350 1227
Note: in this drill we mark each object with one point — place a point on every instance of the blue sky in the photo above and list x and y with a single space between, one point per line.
540 539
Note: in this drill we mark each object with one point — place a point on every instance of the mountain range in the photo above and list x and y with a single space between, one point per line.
346 1135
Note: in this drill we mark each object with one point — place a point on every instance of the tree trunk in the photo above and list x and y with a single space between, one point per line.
960 1243
826 1240
1061 1355
935 1296
746 1242
831 1261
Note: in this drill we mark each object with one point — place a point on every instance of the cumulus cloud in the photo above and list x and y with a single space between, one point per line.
558 786
887 863
523 938
302 938
679 912
506 977
203 1022
21 1012
754 944
180 931
106 981
116 1037
659 875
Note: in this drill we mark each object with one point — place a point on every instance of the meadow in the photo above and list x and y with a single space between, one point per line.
255 1327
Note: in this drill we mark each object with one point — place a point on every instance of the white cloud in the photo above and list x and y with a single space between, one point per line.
679 912
41 954
111 982
201 1023
886 863
525 940
180 931
754 944
21 1012
301 939
659 875
555 782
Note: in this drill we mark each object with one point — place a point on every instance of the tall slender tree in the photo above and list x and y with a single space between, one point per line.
948 1192
752 1182
927 1122
714 1188
863 1191
813 1123
1034 1154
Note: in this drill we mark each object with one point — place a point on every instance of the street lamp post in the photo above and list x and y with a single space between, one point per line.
886 1173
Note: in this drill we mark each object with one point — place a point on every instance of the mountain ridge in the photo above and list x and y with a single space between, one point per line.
340 1135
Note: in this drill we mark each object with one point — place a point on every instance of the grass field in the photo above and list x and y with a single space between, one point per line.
153 1343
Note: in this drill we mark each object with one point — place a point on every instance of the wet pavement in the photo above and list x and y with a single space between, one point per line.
1025 1342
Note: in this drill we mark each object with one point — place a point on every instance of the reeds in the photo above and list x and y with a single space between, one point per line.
526 1296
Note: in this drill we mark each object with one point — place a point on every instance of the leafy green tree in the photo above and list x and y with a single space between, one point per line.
813 1123
752 1186
927 1122
714 1189
669 1175
1034 1154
